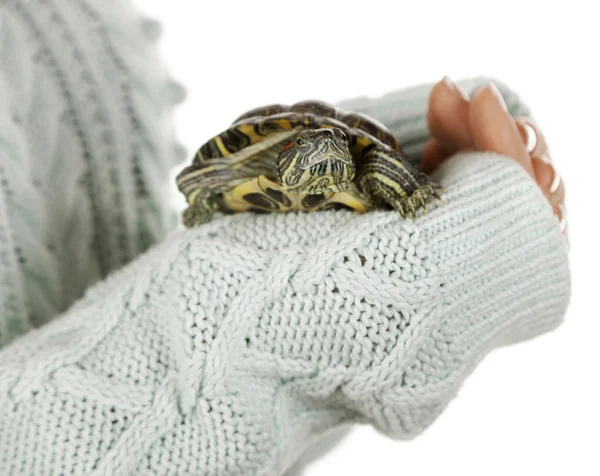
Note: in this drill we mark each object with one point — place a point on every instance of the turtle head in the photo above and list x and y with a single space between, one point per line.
316 161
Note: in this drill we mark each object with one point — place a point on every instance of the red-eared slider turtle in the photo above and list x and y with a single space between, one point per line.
306 157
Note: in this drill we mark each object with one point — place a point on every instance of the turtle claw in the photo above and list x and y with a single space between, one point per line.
431 190
405 206
400 207
436 193
423 203
418 200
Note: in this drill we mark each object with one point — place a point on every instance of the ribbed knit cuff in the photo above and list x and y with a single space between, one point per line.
495 272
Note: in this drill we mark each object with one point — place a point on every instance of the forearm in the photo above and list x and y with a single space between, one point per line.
236 344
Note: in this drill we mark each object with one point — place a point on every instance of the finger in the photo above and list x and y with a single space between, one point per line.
493 128
532 136
558 197
545 174
527 134
552 186
560 213
548 179
433 156
448 116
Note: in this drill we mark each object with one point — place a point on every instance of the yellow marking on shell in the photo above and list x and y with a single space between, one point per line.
189 186
248 130
234 199
361 143
221 147
250 152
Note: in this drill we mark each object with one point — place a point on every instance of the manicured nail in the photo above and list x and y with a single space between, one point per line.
559 211
531 141
453 85
555 175
494 89
555 183
532 136
545 172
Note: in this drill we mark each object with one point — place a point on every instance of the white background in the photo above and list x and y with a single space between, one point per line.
529 409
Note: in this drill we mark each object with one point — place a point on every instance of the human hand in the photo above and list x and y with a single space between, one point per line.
483 123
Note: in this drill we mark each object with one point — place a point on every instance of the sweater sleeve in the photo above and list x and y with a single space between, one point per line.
229 348
86 147
403 110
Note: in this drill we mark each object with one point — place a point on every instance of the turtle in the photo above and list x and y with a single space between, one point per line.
309 156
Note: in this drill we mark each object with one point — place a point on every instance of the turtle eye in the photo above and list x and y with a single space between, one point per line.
300 141
343 138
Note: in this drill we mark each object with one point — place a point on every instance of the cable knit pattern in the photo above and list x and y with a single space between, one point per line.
85 146
228 348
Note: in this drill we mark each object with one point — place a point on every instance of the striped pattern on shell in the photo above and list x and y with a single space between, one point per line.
237 170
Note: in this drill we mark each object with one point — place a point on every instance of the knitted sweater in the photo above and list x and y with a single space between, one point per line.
85 142
227 349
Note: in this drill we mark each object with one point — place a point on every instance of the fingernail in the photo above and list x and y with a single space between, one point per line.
532 140
494 89
555 175
564 228
555 183
559 211
545 174
453 85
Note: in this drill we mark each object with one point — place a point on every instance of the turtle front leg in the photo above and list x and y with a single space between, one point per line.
197 213
201 184
391 176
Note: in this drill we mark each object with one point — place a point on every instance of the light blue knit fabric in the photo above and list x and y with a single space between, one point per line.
227 349
85 142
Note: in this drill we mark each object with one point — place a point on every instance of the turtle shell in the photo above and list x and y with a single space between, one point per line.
236 170
323 109
259 123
